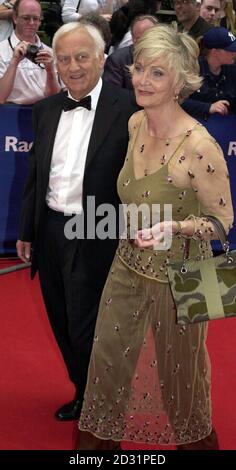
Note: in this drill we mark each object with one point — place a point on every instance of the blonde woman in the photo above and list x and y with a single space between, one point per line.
227 15
149 378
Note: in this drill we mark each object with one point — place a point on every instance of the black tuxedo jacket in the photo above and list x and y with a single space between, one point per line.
116 67
105 157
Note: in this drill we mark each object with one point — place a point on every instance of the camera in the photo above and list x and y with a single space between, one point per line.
31 52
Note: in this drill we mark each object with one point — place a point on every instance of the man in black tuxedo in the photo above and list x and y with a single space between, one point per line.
80 144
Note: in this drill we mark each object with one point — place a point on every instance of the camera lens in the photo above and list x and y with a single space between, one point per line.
31 52
32 49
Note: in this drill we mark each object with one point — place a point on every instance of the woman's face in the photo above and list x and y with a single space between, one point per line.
153 82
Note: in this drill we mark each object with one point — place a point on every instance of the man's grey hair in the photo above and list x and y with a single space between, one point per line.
99 43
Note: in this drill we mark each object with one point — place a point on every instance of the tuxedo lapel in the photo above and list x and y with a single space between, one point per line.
106 113
53 117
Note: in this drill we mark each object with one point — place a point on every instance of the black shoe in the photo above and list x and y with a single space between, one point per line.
70 411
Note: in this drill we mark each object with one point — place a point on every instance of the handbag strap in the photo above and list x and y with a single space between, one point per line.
77 9
220 230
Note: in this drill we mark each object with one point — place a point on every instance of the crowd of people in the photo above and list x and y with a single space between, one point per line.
116 101
25 77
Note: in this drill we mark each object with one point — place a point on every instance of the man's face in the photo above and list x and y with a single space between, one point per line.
77 63
225 57
186 10
28 20
210 10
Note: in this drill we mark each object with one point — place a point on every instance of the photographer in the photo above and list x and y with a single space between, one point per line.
26 64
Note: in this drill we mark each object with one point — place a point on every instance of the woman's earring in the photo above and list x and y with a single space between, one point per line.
176 97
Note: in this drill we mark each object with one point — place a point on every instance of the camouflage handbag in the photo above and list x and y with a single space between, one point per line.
206 289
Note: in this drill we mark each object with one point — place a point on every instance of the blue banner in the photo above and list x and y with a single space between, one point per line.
16 137
223 128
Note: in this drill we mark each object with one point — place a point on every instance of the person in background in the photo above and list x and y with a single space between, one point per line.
227 15
116 68
99 22
209 11
72 10
26 79
6 24
109 6
149 378
80 144
189 19
122 19
217 67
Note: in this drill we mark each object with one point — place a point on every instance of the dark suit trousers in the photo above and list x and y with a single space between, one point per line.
70 296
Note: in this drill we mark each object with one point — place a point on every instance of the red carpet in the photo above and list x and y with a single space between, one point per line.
33 380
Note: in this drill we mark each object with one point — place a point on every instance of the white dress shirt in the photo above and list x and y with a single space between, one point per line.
65 189
30 80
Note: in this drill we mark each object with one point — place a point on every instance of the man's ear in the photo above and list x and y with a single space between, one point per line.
101 60
14 18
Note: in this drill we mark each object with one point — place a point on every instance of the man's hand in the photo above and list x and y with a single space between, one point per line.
23 250
220 107
20 51
45 57
6 10
107 16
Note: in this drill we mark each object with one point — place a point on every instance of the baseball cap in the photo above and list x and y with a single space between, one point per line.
219 38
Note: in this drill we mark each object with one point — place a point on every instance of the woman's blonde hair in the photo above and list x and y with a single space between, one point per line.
228 10
179 51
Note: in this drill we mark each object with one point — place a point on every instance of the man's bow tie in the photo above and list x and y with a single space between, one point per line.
72 104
